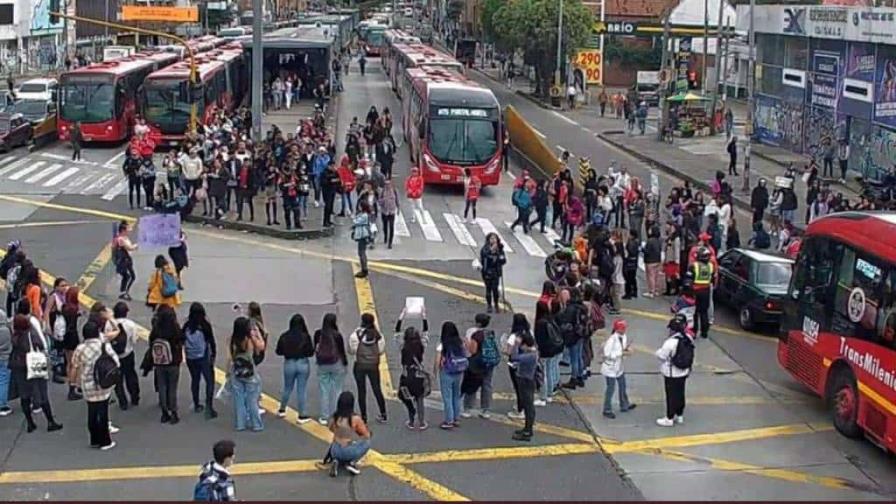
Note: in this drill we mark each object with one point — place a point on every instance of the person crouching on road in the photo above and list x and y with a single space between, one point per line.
492 260
676 357
615 348
345 425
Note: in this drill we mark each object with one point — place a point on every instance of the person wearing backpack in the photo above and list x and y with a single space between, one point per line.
522 200
55 324
200 351
122 247
676 357
415 383
296 348
525 356
215 482
166 349
367 345
124 344
329 352
614 351
246 343
484 358
14 267
84 369
163 285
452 359
71 312
550 348
573 323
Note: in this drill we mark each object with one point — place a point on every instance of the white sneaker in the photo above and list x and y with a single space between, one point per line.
322 421
261 411
485 414
113 429
539 402
108 446
679 419
5 411
518 415
550 399
316 204
664 422
281 413
467 414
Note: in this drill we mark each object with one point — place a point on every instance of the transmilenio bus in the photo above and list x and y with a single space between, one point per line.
839 323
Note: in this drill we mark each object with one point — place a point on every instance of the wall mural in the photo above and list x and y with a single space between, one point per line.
778 123
872 149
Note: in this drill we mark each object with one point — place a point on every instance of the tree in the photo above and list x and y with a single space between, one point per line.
489 9
531 26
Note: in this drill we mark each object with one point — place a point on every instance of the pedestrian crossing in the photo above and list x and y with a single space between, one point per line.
450 228
46 173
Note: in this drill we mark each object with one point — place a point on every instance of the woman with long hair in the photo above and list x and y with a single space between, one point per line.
296 348
200 350
71 311
450 363
329 349
351 438
245 343
412 383
368 345
549 350
166 344
518 328
32 391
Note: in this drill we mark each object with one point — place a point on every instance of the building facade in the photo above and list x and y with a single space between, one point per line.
29 42
827 72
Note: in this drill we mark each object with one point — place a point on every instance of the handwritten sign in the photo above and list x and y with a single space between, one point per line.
161 230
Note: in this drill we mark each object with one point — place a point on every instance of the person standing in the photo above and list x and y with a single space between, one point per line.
653 261
630 264
452 359
571 93
415 382
572 320
163 289
351 437
246 345
200 350
385 152
731 148
329 350
32 387
759 200
166 344
525 356
148 177
296 348
729 121
361 234
602 100
388 206
362 63
703 275
367 345
124 345
215 482
472 188
484 357
84 362
347 180
843 158
75 138
829 151
676 357
330 185
413 186
550 347
491 261
614 351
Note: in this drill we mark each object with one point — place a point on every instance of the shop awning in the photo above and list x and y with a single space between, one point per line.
687 97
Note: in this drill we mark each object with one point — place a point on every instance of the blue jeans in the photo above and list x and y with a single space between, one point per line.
608 395
246 394
551 376
295 374
450 387
302 205
346 202
4 384
575 360
351 452
329 380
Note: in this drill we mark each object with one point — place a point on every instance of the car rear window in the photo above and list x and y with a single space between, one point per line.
33 88
773 273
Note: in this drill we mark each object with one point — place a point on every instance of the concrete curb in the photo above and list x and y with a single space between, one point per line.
273 232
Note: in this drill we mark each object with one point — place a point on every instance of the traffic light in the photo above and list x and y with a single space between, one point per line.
54 7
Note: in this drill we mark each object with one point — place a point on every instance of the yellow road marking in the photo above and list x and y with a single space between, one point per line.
692 401
95 267
716 438
150 472
66 208
416 480
364 293
48 224
555 430
554 450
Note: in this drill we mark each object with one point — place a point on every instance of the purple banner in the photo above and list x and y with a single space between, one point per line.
860 62
885 97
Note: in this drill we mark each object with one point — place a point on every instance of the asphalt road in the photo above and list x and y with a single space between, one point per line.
751 433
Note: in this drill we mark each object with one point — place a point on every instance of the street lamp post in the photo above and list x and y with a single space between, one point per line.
257 68
559 44
751 77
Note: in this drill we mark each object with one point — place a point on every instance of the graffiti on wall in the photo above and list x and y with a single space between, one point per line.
821 123
778 123
872 149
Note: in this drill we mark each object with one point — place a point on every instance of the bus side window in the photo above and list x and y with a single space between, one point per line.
811 280
857 298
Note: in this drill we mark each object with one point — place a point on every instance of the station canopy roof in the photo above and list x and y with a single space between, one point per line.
299 37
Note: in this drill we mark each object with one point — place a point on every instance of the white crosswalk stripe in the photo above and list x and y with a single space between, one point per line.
37 177
28 169
115 190
529 244
59 177
13 166
430 231
459 229
99 183
7 159
487 227
401 227
551 235
73 186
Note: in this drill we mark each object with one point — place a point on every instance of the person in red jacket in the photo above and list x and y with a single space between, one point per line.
472 187
413 186
347 177
574 217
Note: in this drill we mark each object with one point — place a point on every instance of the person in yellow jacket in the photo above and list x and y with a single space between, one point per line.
155 295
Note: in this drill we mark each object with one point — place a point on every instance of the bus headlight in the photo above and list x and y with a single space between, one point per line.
492 165
430 163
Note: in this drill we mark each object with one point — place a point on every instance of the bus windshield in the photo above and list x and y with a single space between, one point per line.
375 38
462 141
167 105
88 99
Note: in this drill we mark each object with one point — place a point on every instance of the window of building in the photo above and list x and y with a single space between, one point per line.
6 14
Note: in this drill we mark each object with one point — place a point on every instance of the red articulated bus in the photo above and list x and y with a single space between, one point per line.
391 39
452 123
839 323
223 81
406 56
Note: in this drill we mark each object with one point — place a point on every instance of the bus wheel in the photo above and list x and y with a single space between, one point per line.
843 397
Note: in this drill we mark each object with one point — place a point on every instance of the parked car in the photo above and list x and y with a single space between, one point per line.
755 283
37 89
15 130
42 116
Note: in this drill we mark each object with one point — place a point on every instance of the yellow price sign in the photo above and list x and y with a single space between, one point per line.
591 62
171 14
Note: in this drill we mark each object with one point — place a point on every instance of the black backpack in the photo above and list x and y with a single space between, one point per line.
555 340
106 373
605 263
6 264
683 358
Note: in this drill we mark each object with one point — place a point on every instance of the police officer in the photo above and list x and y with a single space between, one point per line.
703 273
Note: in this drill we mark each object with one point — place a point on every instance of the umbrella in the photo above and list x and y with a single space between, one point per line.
686 97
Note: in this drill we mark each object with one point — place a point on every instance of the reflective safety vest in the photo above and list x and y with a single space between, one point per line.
702 275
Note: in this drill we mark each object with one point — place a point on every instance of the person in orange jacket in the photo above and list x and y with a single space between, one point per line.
413 186
163 274
347 177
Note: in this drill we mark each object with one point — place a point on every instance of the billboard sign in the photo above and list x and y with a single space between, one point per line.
169 14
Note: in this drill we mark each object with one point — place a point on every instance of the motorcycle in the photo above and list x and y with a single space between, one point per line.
556 265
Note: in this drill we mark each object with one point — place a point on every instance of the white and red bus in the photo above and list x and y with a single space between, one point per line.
373 39
390 40
452 123
223 81
418 55
839 336
103 96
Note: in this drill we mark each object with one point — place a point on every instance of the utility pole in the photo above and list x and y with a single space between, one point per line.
64 35
662 119
705 42
559 44
257 68
751 76
725 56
715 87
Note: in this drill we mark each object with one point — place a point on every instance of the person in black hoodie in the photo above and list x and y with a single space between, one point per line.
296 349
492 259
368 345
540 203
759 201
630 264
200 350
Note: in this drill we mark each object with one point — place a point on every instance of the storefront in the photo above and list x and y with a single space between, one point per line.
827 72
